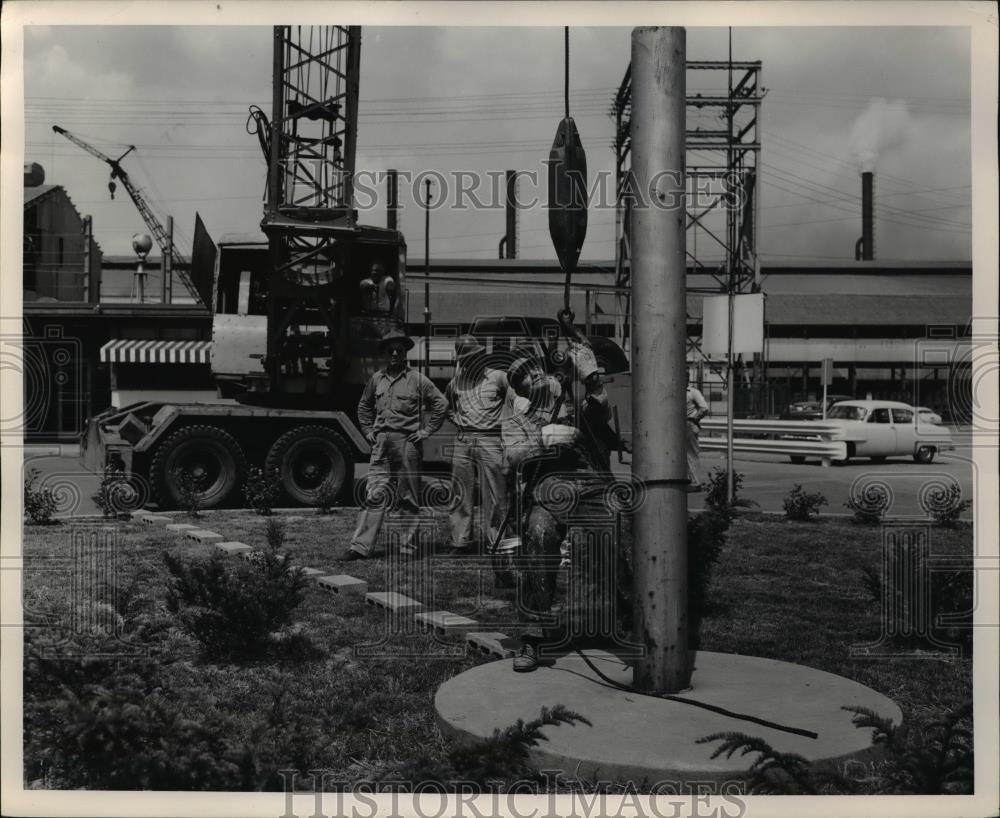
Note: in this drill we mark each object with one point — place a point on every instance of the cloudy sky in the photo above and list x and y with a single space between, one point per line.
486 99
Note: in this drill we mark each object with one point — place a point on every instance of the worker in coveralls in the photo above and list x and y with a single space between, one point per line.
566 488
477 399
398 410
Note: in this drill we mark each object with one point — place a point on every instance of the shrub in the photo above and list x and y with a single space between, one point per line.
261 491
326 498
717 496
706 539
942 620
189 491
274 530
870 505
933 756
115 496
39 503
944 504
234 610
802 506
504 756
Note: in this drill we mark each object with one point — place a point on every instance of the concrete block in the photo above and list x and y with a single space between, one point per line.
152 519
445 622
492 643
203 534
392 601
233 547
343 584
180 527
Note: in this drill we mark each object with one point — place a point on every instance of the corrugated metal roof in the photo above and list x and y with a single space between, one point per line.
33 193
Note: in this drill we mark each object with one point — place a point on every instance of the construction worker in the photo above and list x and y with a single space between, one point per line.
398 410
477 397
567 486
533 404
697 408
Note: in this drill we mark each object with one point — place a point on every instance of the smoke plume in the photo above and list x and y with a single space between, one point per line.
881 126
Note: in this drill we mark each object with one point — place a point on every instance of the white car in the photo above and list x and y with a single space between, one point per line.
882 428
928 415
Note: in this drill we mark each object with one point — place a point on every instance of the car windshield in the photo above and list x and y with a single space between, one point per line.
847 413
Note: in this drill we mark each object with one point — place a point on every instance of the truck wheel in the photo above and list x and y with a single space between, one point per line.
211 455
306 458
797 458
924 454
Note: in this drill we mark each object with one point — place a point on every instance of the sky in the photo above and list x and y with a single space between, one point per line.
486 99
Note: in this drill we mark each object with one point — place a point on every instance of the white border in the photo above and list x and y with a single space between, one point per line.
980 17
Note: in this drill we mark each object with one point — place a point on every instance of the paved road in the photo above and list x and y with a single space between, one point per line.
767 479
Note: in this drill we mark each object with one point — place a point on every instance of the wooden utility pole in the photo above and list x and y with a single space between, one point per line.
658 357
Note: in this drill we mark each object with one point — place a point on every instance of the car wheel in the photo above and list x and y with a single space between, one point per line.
924 454
797 458
878 459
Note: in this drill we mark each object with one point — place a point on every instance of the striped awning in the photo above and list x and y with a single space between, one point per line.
156 352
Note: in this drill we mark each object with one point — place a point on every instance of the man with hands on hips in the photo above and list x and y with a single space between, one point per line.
398 410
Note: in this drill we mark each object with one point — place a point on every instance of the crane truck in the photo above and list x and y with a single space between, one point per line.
297 312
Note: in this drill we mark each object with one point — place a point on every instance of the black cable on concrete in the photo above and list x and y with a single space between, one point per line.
798 731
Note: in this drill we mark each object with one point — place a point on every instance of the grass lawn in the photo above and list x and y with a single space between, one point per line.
782 590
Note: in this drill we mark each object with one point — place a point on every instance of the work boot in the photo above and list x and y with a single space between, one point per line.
351 555
526 659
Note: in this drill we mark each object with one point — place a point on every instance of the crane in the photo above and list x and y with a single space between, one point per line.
167 247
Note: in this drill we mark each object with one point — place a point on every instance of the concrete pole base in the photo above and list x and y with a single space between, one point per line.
647 740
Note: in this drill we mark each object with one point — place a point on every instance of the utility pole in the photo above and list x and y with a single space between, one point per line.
427 278
658 357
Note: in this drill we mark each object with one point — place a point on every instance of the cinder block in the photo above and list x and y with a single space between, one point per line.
180 527
233 547
392 601
203 534
445 622
343 584
491 643
152 519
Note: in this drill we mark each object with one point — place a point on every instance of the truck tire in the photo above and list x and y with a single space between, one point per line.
206 451
306 458
924 454
797 458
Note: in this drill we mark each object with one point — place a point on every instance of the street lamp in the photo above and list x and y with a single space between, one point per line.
141 244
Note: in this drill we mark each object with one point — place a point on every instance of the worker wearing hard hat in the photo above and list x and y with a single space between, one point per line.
398 410
477 398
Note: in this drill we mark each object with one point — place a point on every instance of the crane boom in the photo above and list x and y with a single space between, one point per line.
160 235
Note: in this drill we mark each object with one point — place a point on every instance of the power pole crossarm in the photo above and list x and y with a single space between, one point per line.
160 234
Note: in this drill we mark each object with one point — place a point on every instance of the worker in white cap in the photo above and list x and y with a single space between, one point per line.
477 399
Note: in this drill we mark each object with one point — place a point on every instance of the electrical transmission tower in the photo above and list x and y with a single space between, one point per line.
723 161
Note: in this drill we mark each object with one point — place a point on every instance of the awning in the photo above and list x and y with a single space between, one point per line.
156 352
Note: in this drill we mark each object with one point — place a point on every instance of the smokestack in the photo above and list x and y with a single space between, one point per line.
511 211
508 244
864 250
392 200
